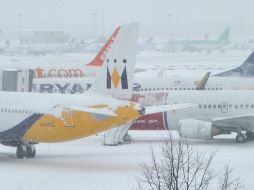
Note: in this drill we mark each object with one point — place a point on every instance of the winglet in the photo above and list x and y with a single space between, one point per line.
201 85
100 57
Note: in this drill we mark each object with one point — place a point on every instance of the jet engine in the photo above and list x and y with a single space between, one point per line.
197 129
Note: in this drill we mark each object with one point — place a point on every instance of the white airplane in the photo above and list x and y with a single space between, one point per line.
198 45
30 118
240 78
218 112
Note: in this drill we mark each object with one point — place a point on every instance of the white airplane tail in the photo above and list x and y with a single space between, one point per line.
116 76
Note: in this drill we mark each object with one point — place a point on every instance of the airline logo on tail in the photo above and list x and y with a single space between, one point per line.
99 59
115 78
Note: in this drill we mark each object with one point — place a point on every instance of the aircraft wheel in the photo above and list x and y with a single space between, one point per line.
241 138
250 135
31 152
21 151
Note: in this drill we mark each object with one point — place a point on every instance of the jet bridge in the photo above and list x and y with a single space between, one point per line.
16 80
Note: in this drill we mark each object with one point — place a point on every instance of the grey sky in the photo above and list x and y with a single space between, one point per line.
189 17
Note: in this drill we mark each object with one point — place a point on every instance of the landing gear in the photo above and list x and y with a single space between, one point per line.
25 150
21 151
241 138
127 139
31 152
250 135
244 136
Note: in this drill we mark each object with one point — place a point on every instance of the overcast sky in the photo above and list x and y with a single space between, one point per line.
188 17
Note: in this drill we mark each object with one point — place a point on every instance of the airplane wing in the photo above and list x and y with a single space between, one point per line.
244 121
164 108
101 111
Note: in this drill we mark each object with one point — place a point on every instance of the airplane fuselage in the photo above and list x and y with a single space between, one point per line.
44 118
210 105
83 84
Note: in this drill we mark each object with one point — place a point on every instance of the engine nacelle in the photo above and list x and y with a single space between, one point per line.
198 129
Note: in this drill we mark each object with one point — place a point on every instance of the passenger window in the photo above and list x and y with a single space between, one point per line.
230 105
236 106
204 106
246 106
214 106
219 106
252 106
241 106
209 106
199 106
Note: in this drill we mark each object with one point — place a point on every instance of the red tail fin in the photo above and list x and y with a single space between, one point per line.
99 58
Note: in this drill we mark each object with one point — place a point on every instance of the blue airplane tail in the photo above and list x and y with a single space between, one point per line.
245 70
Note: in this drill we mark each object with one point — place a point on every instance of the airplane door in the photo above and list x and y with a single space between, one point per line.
224 107
67 118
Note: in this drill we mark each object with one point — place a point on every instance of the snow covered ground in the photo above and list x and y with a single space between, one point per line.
87 164
189 63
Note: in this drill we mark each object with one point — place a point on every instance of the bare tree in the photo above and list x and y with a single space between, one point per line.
180 166
227 181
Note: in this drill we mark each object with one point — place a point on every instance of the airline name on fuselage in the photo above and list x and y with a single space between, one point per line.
71 72
72 88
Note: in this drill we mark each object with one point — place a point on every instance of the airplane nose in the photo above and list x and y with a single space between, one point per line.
141 110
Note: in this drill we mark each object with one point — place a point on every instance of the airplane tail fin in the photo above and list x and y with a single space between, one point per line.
245 70
202 83
116 75
99 58
224 36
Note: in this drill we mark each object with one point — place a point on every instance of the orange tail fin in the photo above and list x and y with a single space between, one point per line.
99 58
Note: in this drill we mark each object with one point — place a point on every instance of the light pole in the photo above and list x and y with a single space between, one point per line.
20 27
94 23
103 24
179 26
169 25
